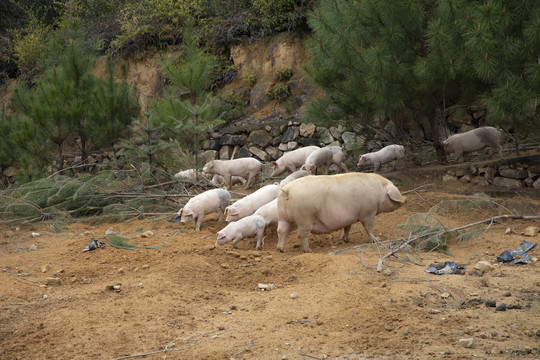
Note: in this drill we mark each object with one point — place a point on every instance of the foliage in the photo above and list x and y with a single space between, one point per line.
29 45
279 91
417 60
186 109
70 106
283 74
112 195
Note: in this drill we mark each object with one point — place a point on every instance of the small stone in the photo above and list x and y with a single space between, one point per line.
531 231
387 272
258 259
266 286
35 234
52 281
32 247
538 333
466 343
121 271
45 296
483 266
147 234
45 268
445 295
224 266
294 295
491 303
146 267
508 231
501 307
507 294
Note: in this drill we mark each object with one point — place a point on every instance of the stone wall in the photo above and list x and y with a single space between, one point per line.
523 172
268 142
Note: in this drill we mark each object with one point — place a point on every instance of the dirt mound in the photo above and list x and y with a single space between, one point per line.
190 300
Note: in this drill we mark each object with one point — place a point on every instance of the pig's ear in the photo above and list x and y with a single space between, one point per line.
233 211
274 164
394 193
187 212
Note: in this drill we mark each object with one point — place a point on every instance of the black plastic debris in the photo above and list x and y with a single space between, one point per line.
518 255
177 219
94 244
448 267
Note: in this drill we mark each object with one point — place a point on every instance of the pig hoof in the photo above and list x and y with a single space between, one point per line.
307 250
281 249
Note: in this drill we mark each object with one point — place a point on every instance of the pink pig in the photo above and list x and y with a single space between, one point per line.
248 168
202 204
319 158
381 157
250 203
322 204
473 140
245 227
292 160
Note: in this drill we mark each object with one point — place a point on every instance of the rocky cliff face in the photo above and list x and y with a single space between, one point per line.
255 62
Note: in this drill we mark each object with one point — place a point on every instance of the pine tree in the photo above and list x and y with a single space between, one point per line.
417 60
187 108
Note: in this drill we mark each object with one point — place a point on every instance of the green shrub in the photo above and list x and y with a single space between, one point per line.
283 74
279 92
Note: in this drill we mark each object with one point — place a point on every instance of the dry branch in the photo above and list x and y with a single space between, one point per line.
440 232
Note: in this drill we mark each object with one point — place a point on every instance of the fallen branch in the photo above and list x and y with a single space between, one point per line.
170 350
440 232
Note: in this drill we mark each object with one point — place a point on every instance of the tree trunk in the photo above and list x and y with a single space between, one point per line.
437 143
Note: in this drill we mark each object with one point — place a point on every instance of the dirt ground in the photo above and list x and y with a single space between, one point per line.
191 300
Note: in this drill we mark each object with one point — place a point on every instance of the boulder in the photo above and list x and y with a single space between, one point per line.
309 142
448 177
210 144
350 140
225 153
292 145
273 152
479 180
243 152
261 154
260 138
325 137
229 139
536 184
336 132
513 173
307 129
507 182
290 134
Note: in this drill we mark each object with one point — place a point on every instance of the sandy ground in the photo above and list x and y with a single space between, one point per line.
190 300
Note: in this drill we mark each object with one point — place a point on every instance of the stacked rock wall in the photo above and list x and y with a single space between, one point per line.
518 173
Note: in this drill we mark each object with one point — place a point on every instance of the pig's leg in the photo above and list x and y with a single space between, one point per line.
343 167
282 230
198 221
291 168
345 234
228 181
303 233
368 223
376 165
260 234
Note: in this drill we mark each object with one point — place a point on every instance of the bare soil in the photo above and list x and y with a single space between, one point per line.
191 300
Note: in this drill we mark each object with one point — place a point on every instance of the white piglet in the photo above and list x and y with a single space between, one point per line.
248 168
319 158
339 158
292 160
246 227
268 212
295 175
385 155
250 203
202 204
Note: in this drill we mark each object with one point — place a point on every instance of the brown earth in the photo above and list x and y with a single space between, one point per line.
190 300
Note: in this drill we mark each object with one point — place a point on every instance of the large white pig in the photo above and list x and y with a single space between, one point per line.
295 175
249 226
385 155
202 204
250 203
268 212
339 158
473 140
322 204
319 158
248 168
292 160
